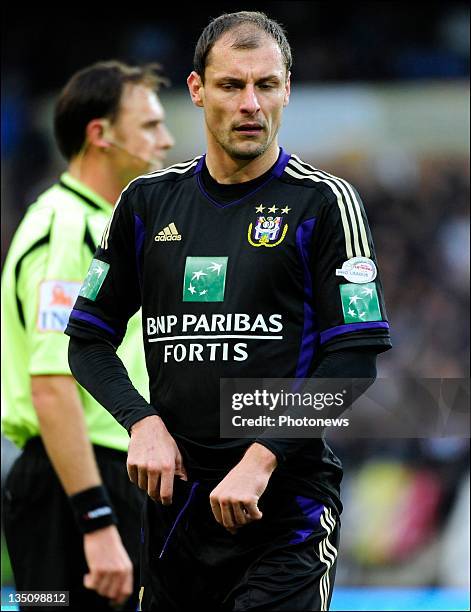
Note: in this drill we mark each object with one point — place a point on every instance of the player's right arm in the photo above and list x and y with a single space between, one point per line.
110 295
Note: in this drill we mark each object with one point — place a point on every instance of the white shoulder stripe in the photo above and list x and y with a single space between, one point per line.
343 215
348 198
179 168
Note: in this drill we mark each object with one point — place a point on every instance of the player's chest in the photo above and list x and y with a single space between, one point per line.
265 227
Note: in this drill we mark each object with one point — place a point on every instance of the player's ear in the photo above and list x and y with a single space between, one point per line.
195 87
97 133
287 89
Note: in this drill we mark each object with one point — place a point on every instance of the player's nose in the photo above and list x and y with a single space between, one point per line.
249 102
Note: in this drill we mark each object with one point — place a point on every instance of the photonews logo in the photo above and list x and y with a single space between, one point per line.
205 279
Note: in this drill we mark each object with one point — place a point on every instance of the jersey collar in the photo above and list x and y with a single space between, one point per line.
70 183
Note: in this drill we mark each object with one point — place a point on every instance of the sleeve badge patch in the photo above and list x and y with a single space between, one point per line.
56 299
360 303
94 280
358 270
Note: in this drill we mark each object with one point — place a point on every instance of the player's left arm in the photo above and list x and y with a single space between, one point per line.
234 501
353 328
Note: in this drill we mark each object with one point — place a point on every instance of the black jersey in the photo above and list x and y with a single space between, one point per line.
259 287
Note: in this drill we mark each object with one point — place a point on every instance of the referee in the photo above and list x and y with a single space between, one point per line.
109 125
248 263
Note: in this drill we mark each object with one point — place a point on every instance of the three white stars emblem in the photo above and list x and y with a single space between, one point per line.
272 209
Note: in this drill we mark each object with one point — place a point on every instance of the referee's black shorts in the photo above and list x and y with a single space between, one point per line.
285 561
44 544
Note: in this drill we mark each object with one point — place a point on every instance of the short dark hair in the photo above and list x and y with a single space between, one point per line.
247 39
95 92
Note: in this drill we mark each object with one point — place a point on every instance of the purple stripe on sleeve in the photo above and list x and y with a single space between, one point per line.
310 335
139 236
351 327
281 163
85 316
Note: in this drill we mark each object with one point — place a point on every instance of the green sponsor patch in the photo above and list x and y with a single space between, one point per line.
94 280
360 302
205 279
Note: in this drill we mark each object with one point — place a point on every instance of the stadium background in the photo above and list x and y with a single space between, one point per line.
380 97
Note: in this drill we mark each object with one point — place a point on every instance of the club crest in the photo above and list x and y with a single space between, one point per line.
268 231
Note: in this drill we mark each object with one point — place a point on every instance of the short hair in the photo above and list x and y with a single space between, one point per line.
95 92
247 38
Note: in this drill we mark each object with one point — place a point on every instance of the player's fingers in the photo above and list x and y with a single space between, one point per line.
252 511
166 484
228 519
240 514
216 509
153 481
132 473
142 478
180 470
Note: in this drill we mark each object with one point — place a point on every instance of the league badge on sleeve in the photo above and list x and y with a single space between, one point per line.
358 270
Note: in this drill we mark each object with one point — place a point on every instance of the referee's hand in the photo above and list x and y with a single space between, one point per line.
110 569
154 459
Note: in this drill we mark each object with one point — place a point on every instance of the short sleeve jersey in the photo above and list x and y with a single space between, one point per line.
44 270
255 288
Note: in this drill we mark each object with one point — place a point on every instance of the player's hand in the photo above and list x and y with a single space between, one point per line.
154 459
234 501
110 569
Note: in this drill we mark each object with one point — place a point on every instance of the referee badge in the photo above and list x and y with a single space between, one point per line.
269 231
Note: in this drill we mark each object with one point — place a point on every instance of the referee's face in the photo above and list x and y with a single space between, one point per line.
243 96
139 137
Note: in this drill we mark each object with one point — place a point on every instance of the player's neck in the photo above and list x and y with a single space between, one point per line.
96 176
226 170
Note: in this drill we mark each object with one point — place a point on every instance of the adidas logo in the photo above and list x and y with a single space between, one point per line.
168 233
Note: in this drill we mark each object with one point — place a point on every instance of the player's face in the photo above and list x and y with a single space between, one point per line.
243 96
139 132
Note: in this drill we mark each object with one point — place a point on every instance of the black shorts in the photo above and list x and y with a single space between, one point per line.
285 561
44 543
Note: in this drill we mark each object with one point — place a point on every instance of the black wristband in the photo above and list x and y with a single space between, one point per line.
92 509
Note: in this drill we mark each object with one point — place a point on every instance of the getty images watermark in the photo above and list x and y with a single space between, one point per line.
283 400
344 408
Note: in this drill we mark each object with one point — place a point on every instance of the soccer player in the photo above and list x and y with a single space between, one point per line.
247 263
71 514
